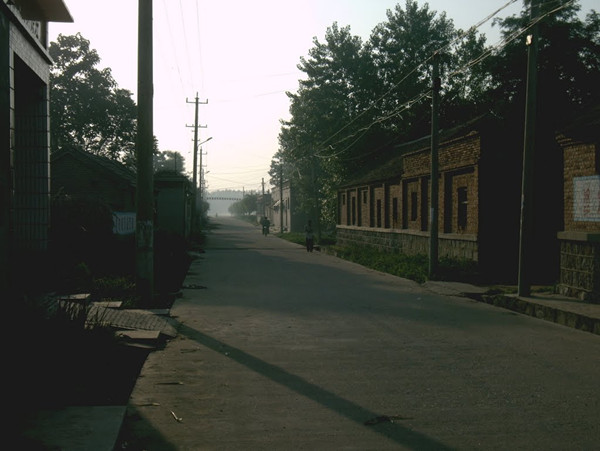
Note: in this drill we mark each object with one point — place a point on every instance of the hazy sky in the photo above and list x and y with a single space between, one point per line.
239 55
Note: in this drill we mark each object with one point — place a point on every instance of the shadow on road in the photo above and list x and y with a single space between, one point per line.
394 431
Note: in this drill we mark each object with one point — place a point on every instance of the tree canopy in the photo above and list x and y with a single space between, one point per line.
358 99
168 161
87 108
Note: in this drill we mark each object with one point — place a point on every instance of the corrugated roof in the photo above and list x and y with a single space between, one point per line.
393 168
105 163
44 10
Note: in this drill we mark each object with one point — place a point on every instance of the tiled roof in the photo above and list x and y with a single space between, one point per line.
104 163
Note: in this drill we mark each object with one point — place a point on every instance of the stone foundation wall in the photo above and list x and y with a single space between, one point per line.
580 266
409 242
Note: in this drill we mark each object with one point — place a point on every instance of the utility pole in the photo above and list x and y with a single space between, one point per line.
195 170
144 230
281 198
317 209
433 215
524 282
264 212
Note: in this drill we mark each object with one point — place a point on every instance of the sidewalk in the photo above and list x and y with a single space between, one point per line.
97 427
562 310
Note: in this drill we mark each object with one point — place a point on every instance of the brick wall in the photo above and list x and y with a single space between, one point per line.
580 241
580 269
394 216
458 166
395 206
580 160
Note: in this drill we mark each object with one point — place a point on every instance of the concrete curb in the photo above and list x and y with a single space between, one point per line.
548 313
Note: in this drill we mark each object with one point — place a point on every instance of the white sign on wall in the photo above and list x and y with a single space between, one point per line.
586 198
123 223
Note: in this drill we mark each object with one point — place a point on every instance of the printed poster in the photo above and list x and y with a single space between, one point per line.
586 198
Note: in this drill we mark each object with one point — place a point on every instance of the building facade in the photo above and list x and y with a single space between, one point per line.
24 130
580 239
478 211
284 212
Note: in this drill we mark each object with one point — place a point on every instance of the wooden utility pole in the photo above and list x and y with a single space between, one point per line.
144 231
317 209
524 282
195 165
281 198
433 215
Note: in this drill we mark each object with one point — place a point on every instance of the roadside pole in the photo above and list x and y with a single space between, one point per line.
144 231
433 215
524 282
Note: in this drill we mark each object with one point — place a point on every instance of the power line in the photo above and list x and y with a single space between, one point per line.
185 43
404 106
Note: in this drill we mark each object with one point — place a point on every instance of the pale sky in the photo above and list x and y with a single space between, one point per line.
241 57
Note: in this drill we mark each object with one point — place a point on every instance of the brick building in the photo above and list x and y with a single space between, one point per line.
580 239
24 130
284 212
479 189
81 174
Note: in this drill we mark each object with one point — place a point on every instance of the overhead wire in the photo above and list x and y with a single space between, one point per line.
405 105
417 67
185 43
173 41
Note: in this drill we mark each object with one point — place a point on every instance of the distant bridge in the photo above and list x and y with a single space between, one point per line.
222 198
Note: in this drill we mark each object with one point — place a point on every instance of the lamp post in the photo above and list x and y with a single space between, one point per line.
200 145
195 193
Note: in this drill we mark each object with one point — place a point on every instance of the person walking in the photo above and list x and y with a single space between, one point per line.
309 236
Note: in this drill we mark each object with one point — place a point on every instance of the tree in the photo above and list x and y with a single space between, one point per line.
568 64
169 160
244 207
87 108
358 100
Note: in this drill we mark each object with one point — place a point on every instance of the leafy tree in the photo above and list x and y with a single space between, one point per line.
169 160
245 206
568 64
87 108
351 108
401 51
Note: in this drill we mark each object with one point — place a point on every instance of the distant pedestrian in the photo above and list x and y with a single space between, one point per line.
309 236
265 225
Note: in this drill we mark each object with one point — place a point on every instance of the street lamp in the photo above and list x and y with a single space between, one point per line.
200 145
194 174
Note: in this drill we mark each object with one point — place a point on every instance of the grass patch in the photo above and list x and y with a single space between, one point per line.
299 238
413 267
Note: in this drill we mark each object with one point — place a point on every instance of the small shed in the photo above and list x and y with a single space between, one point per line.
174 197
81 174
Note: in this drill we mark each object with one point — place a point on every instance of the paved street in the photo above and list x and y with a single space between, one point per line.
280 349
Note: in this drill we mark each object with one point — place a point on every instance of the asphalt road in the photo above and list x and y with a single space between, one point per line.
289 350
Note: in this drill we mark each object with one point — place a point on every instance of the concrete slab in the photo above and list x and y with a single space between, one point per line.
453 288
76 428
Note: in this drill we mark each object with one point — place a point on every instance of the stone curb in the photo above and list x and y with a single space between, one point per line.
547 313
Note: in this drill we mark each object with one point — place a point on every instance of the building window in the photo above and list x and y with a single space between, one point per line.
343 199
462 208
394 212
364 197
353 210
414 206
378 212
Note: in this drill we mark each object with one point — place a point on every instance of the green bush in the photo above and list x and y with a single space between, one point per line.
413 267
